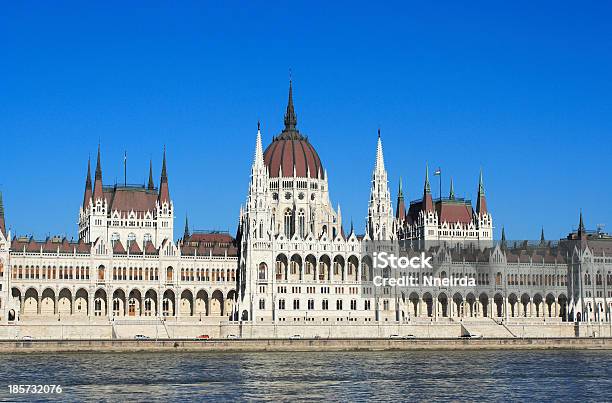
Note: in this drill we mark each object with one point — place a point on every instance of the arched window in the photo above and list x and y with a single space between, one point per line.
301 224
114 238
262 271
288 223
147 238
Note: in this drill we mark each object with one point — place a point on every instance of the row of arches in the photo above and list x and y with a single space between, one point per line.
443 305
134 302
598 277
50 272
549 280
298 268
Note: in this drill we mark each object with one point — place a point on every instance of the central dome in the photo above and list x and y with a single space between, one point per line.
291 151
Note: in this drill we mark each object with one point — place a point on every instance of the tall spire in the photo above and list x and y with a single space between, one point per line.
259 159
503 238
380 211
87 196
581 224
400 212
481 184
97 191
186 233
451 195
151 185
164 192
380 160
542 239
481 203
290 117
427 204
2 222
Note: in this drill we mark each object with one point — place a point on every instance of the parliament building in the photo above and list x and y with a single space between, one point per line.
292 259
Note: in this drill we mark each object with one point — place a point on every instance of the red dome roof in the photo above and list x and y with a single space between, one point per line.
289 153
291 150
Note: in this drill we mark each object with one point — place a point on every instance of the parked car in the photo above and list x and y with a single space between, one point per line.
232 336
141 337
409 336
27 338
317 337
395 336
295 337
203 337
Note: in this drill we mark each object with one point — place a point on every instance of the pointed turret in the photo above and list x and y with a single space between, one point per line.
2 222
186 233
164 192
97 190
290 117
427 199
151 185
258 160
400 213
88 188
581 230
290 131
451 194
503 238
380 211
481 203
542 239
380 160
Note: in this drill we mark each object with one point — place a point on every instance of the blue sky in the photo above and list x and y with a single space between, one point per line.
521 89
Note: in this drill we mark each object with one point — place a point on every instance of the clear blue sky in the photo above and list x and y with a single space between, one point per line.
522 89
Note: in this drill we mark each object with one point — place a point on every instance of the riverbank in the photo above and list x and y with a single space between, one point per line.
261 345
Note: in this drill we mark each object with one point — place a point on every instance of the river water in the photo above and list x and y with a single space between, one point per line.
329 376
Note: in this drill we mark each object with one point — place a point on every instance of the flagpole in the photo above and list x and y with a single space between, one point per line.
440 181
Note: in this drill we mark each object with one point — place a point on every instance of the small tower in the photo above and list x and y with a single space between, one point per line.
151 184
96 220
427 198
380 214
165 207
186 233
88 188
481 203
400 210
483 219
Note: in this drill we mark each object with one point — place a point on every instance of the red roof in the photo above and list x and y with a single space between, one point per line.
50 245
118 249
150 248
452 212
289 153
217 244
135 249
126 199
